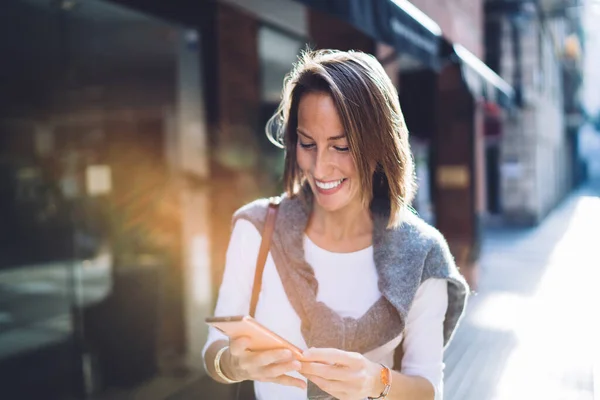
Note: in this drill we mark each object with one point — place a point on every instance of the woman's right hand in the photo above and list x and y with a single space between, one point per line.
263 366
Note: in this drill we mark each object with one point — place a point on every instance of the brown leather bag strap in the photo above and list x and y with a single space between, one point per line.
265 244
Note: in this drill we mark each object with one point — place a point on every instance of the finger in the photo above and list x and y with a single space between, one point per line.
257 362
269 357
335 388
329 372
333 356
275 370
288 381
239 346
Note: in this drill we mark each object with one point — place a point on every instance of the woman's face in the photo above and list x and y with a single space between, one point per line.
323 154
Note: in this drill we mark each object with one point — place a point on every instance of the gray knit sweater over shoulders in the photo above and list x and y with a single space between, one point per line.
405 257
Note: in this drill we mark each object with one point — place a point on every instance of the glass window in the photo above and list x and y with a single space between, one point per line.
278 51
94 98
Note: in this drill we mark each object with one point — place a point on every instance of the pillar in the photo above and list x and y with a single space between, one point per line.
457 169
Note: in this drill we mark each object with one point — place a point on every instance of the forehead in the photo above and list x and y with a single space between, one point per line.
317 115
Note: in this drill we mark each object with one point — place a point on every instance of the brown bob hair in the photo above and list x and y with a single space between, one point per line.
368 106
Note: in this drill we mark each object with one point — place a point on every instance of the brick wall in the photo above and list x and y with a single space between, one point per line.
461 21
330 32
239 74
232 76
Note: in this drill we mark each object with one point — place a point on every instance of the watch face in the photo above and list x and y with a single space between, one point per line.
385 376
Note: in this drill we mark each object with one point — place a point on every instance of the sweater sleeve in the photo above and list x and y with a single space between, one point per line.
423 344
236 287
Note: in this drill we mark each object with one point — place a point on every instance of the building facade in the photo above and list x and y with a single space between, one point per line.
536 153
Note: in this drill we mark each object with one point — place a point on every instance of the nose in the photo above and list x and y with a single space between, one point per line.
322 164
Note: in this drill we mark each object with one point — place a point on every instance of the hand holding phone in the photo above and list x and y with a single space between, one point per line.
261 338
257 353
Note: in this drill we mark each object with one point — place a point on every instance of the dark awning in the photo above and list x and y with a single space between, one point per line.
395 22
482 80
403 26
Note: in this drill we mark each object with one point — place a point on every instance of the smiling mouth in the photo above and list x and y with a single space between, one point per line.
329 185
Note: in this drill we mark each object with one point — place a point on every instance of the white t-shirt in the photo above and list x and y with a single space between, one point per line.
348 285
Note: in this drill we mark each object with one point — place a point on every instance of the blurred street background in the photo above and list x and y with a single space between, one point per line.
131 130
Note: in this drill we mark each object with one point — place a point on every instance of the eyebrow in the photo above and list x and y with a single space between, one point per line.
342 136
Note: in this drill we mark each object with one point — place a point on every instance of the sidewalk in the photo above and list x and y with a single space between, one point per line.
37 299
531 330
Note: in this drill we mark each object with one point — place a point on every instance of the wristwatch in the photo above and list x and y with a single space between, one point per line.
386 380
218 369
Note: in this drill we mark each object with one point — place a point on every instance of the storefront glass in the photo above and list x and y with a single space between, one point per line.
277 51
90 214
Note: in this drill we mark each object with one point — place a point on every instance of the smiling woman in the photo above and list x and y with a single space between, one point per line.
361 119
367 290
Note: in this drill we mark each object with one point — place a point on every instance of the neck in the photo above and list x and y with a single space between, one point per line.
350 222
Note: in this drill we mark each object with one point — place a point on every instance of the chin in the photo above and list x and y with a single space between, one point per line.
332 203
330 206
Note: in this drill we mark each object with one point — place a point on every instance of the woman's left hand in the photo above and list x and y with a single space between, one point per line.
344 375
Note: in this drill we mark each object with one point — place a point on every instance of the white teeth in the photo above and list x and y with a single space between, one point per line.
328 185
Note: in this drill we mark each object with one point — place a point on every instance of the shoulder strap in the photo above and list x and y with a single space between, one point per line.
265 244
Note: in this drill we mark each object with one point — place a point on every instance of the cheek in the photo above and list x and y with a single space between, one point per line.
349 167
303 159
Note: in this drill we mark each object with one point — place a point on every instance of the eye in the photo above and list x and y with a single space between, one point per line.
341 149
307 145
